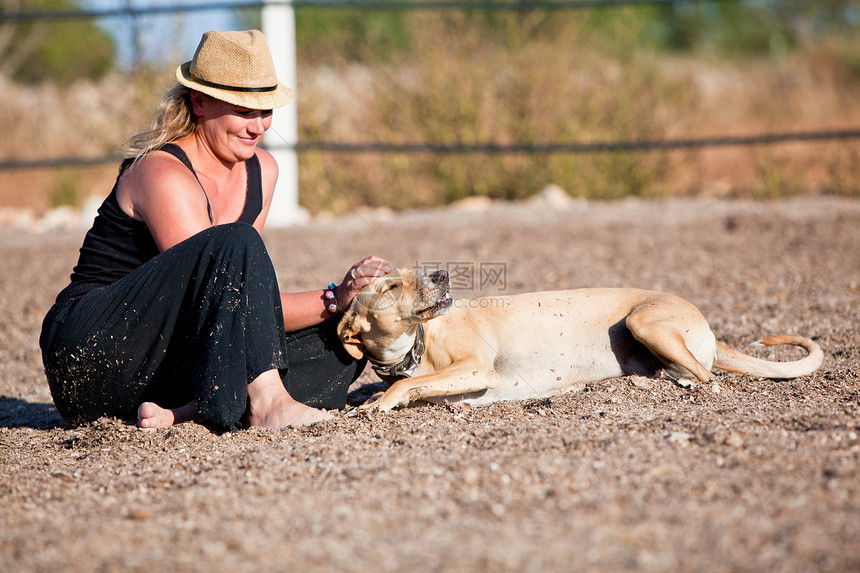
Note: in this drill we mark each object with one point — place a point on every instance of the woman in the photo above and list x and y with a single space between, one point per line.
173 311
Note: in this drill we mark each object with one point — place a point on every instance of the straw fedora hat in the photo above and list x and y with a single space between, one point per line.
235 67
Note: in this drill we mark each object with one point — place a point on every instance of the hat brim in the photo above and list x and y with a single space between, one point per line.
278 97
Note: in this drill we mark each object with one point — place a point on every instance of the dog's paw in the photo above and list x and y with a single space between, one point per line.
386 402
371 403
379 402
686 383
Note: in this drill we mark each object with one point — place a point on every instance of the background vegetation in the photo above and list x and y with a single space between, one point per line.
686 70
55 52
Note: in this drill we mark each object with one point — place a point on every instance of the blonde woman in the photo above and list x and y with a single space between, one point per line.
173 311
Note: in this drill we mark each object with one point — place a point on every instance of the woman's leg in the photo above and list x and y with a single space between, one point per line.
198 322
319 374
320 371
151 416
269 406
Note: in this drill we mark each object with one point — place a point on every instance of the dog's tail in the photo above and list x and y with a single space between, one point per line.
734 361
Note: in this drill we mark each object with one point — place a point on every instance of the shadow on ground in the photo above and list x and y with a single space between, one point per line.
17 413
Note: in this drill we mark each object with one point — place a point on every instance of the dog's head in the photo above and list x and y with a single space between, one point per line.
391 306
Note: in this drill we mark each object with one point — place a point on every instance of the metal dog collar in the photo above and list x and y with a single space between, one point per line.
404 367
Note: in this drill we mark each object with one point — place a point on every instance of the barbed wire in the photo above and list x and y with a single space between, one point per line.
490 148
514 6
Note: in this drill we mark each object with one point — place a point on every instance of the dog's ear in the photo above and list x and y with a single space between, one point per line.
349 331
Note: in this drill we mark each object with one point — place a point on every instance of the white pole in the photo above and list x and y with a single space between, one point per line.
279 27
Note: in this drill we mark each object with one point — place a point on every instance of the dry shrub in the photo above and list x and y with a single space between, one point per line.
530 79
562 83
472 89
83 120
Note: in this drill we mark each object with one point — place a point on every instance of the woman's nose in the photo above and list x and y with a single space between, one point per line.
258 125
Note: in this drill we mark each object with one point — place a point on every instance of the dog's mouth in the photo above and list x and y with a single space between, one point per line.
442 304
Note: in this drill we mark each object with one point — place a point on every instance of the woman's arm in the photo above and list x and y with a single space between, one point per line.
269 176
305 309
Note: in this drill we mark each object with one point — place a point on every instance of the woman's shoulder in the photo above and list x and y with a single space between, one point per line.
267 160
158 178
159 166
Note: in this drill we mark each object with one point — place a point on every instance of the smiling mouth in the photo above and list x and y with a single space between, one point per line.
443 303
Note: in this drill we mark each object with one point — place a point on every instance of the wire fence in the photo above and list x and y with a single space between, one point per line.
437 148
136 12
491 148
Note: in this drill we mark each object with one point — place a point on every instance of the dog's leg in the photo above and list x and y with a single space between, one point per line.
657 327
463 377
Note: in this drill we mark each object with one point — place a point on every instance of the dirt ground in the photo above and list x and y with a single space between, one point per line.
627 474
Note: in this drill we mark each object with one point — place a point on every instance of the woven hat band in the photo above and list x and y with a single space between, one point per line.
201 81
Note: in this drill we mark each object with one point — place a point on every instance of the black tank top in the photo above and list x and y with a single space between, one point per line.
117 244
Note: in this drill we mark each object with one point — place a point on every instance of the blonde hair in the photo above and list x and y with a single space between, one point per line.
174 120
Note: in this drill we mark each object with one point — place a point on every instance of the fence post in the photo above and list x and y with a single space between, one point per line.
279 27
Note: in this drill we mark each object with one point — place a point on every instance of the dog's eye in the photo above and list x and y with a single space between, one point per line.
392 287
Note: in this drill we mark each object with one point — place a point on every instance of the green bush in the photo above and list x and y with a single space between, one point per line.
66 51
332 34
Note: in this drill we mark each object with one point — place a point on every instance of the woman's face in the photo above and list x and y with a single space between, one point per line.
231 131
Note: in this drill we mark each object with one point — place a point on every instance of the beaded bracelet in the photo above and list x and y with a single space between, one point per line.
330 296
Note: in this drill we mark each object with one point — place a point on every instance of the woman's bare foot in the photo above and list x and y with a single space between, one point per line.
151 416
270 406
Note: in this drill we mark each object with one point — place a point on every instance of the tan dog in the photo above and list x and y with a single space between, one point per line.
537 344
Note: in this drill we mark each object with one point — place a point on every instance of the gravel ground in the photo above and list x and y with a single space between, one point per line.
627 474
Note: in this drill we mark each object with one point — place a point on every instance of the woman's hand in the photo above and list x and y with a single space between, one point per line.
359 275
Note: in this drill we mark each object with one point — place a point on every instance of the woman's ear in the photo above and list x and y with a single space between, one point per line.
197 100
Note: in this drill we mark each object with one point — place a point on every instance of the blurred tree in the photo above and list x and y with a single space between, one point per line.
355 35
324 35
766 27
17 48
56 51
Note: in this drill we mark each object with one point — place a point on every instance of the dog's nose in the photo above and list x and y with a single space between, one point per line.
439 277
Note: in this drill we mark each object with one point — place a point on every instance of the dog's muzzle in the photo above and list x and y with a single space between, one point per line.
437 288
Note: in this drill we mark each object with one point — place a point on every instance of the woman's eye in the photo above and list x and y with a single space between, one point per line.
264 113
